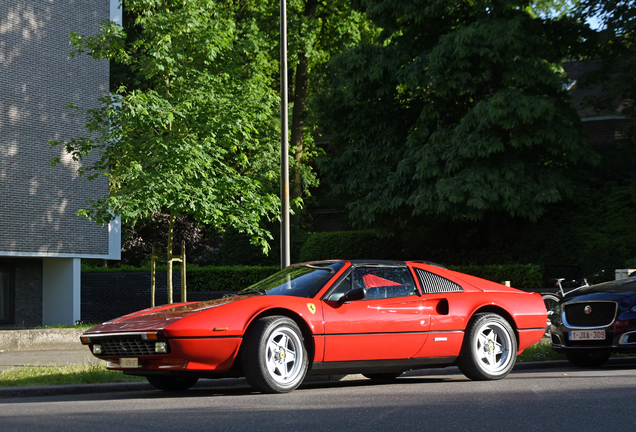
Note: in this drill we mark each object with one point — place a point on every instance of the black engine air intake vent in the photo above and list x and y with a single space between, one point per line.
432 283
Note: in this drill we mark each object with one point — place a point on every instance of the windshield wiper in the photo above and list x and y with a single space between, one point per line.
245 291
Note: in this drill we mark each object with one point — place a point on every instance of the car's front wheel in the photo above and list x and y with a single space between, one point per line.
274 357
168 383
590 360
490 348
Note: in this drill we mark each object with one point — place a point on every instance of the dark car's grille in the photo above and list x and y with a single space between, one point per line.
126 347
590 314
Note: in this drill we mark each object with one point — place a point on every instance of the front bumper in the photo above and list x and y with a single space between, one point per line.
135 354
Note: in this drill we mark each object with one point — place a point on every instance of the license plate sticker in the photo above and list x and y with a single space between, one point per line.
128 362
577 335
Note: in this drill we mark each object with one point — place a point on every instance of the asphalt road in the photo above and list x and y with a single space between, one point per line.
562 399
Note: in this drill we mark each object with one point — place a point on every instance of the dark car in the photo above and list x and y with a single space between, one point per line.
590 324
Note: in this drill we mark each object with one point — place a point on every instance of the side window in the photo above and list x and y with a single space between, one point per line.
341 289
384 282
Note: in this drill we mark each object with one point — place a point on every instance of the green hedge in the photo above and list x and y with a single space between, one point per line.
203 278
226 278
347 245
519 275
233 278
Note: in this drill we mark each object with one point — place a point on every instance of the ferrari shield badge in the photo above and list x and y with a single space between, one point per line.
311 307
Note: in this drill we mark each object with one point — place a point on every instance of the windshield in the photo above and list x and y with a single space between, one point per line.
298 281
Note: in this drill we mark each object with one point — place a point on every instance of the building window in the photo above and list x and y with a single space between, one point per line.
7 291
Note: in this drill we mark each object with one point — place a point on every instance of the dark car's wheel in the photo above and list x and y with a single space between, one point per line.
591 360
385 376
169 383
274 357
489 351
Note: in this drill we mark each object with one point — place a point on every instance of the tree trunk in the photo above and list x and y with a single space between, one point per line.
170 235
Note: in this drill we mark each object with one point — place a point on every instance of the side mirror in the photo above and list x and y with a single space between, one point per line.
354 294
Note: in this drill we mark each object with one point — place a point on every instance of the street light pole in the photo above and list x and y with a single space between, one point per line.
284 144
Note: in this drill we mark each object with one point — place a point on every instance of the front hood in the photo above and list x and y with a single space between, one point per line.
160 317
618 288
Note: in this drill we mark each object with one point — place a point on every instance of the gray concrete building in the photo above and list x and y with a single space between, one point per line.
42 241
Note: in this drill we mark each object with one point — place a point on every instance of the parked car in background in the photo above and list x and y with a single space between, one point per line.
591 323
378 318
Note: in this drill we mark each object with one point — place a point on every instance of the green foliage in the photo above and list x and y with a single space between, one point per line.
227 278
203 278
196 133
614 47
527 276
346 245
455 111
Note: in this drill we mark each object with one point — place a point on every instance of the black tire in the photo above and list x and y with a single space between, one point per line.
489 351
588 360
384 376
274 356
168 383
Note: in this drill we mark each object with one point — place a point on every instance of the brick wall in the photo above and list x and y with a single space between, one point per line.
110 295
37 80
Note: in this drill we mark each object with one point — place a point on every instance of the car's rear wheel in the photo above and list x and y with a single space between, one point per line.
384 376
591 360
490 348
168 383
274 357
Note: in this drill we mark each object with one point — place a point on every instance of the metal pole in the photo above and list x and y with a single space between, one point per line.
284 144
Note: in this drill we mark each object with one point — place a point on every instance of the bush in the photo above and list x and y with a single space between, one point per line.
347 245
226 278
203 278
519 275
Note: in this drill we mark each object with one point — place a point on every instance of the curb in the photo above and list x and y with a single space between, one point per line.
78 389
40 339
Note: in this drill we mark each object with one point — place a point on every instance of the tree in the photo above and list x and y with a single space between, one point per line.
195 133
317 30
615 55
459 109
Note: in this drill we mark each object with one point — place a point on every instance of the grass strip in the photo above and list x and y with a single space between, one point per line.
62 375
540 351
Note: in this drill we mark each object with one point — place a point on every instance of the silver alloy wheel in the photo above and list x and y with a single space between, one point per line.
284 355
492 348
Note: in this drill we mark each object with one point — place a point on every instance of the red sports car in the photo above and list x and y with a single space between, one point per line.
377 318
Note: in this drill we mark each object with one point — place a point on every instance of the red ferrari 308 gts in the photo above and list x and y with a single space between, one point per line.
377 318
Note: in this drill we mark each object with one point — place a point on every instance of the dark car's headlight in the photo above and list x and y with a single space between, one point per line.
633 309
